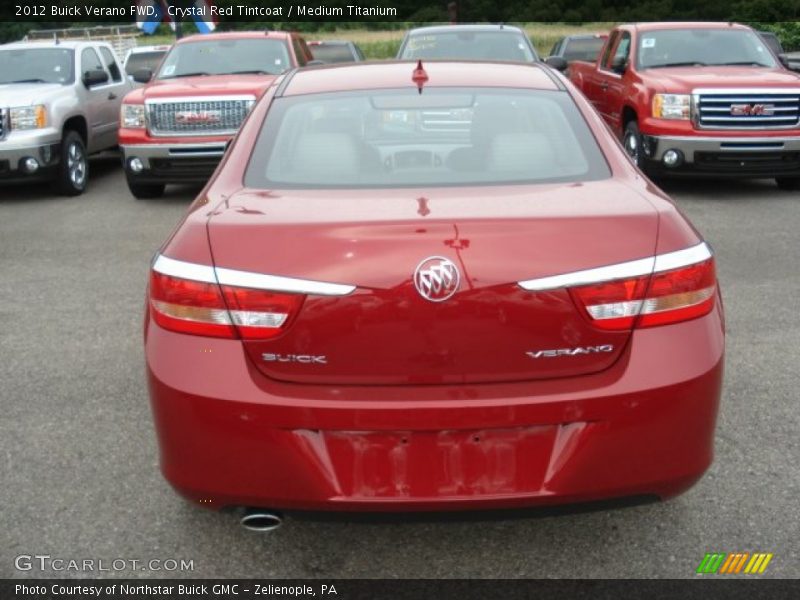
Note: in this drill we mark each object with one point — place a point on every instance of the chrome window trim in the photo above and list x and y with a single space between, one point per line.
247 279
625 270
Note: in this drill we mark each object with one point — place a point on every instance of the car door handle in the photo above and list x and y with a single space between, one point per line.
112 96
604 86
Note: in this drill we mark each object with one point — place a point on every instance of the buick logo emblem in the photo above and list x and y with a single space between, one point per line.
437 278
752 110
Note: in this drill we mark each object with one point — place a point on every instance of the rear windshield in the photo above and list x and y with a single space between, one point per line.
225 57
469 45
332 53
144 60
702 47
583 49
37 65
442 137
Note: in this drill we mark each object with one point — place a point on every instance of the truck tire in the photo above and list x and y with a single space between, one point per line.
73 170
142 191
632 142
788 184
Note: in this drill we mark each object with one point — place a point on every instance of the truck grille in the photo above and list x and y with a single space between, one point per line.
198 116
747 109
2 124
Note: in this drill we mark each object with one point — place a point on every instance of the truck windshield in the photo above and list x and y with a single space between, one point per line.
226 57
144 60
443 137
37 65
469 45
331 53
587 49
702 47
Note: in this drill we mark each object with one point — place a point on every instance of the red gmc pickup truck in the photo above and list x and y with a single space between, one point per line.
175 129
697 98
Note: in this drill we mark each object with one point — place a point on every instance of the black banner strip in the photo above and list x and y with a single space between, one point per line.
707 588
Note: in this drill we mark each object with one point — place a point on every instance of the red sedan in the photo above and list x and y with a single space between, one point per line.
431 287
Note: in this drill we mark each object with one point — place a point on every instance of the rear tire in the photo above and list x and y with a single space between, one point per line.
143 191
788 184
73 170
633 144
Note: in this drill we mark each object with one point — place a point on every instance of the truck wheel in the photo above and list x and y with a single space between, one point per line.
788 184
143 191
632 142
73 170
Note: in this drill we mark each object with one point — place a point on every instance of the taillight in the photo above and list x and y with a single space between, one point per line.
206 308
187 306
671 296
259 314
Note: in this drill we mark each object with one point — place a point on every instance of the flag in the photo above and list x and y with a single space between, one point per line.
150 14
207 23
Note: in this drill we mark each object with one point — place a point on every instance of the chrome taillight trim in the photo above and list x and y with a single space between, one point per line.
682 258
184 270
247 279
281 284
625 270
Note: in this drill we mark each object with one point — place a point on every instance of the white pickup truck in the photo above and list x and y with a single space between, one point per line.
59 103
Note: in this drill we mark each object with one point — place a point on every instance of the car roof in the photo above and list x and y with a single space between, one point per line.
687 25
236 35
68 44
330 43
456 28
140 49
397 74
586 36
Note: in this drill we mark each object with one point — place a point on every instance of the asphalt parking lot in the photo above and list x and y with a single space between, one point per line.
80 478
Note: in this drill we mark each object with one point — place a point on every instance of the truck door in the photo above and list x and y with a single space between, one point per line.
118 86
614 81
100 133
595 84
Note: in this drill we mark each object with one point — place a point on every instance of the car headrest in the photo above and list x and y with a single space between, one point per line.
521 152
325 157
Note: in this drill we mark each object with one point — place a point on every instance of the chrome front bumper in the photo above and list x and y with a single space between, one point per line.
12 151
149 152
172 163
688 146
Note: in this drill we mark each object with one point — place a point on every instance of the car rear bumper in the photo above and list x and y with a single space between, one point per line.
173 163
228 436
727 156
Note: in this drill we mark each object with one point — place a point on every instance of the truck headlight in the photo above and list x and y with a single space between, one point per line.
132 116
672 106
28 117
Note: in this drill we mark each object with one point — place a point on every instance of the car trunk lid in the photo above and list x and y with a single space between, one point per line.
385 332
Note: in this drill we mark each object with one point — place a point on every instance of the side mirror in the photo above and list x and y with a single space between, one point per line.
784 60
556 62
142 75
619 64
94 77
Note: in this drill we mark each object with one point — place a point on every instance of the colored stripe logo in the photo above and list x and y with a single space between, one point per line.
734 563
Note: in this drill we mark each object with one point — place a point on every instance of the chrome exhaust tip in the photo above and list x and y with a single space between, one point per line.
255 519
